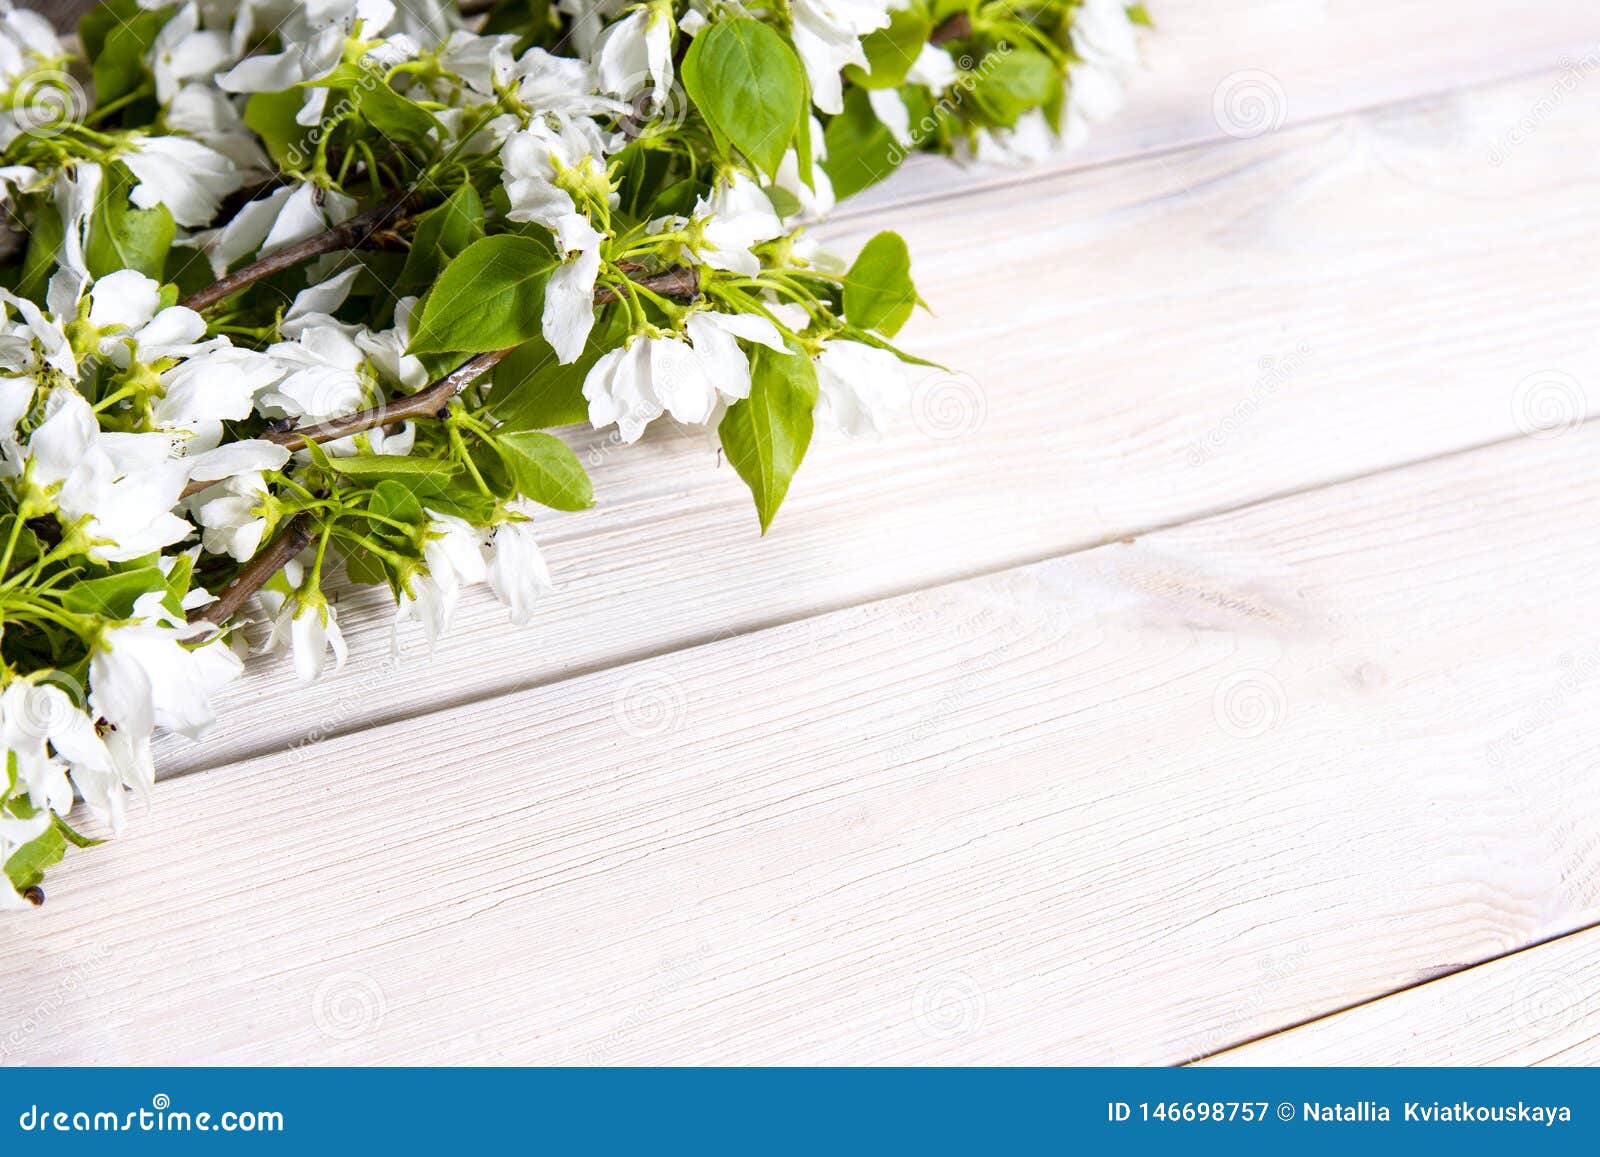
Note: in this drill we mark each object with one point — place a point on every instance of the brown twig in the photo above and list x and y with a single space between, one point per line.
430 402
254 574
426 403
679 281
364 229
958 27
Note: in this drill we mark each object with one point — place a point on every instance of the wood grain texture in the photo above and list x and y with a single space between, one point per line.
1140 345
1540 1006
1228 68
1131 805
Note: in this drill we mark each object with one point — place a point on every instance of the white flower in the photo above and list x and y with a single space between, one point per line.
816 199
14 833
933 68
231 516
542 164
890 108
128 300
28 45
636 48
325 377
588 19
48 735
387 349
185 176
860 387
1028 142
454 553
724 364
569 304
517 572
738 216
827 35
77 192
142 676
217 383
201 112
183 53
246 456
482 62
634 384
281 218
309 624
302 60
1108 49
562 86
36 346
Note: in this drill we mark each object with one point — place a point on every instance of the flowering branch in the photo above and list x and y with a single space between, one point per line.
361 231
590 170
427 403
257 572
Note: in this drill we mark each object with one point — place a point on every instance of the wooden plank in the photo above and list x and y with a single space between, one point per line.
1540 1006
1135 347
1231 68
1130 805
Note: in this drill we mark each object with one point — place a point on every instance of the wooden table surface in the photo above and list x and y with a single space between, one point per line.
1205 669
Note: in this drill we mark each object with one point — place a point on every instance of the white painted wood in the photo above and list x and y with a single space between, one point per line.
1130 805
1230 67
1143 344
1536 1007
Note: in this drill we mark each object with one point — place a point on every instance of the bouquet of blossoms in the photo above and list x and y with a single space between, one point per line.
295 289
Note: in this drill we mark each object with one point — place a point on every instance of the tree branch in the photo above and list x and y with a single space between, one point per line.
254 574
425 403
957 27
430 402
359 231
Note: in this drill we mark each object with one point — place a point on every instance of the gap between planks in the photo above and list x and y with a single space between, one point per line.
1539 1025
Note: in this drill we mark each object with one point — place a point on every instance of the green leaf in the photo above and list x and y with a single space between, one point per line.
891 51
488 298
765 435
861 149
1022 79
878 293
26 866
44 245
545 470
123 236
118 37
748 83
392 466
114 594
534 391
27 548
525 18
365 568
394 116
391 499
74 837
443 232
271 115
176 582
